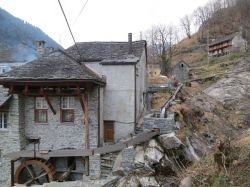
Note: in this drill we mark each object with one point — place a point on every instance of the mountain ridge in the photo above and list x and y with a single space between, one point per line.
18 39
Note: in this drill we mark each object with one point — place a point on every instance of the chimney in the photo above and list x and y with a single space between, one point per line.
129 43
40 47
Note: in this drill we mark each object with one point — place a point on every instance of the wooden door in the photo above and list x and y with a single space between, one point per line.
108 131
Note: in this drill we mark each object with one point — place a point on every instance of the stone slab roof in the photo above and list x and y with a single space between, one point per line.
108 52
54 66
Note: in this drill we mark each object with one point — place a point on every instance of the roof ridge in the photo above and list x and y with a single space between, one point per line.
82 65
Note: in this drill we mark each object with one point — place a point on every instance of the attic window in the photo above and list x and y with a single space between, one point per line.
182 65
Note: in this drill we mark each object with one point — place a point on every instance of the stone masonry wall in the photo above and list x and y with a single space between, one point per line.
12 139
166 125
57 135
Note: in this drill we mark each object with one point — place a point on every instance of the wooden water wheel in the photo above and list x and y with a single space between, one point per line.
35 171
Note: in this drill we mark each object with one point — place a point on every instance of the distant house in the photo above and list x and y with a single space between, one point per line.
181 71
153 70
70 102
231 43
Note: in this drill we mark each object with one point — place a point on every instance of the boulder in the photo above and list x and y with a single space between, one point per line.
170 141
152 156
139 155
148 182
141 167
186 182
154 144
167 167
124 162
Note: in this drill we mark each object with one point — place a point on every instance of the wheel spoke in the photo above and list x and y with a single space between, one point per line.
29 182
30 171
41 175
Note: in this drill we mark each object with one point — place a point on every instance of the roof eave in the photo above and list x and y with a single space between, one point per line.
11 81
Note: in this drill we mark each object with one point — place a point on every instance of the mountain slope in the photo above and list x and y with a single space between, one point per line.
17 39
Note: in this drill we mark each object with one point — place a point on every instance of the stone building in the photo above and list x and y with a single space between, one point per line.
181 71
66 103
225 45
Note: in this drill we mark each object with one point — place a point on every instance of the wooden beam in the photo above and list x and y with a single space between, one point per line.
86 118
12 171
49 103
80 99
11 89
25 91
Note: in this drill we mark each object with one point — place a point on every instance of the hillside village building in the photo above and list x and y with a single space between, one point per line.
181 71
65 103
231 43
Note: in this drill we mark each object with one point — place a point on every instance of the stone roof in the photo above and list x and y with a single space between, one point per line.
54 66
108 52
223 39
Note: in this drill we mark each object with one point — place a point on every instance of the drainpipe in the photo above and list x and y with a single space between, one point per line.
99 124
135 109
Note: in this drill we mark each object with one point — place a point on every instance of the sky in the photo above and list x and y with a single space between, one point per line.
100 20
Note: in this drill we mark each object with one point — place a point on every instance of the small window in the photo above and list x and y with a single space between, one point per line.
41 110
67 109
3 120
108 131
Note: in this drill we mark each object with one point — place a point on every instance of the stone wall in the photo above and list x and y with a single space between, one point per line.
95 166
153 121
12 139
181 72
57 135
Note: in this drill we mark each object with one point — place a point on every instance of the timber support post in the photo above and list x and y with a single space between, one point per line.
12 162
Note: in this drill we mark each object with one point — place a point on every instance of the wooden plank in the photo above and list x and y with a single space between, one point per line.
88 152
170 100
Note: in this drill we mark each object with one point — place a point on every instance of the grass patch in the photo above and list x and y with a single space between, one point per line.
206 174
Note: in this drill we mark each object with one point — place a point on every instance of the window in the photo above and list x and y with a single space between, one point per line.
108 131
41 110
67 109
3 120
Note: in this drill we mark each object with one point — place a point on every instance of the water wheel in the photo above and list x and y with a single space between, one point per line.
35 171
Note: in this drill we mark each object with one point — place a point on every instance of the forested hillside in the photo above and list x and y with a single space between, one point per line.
17 38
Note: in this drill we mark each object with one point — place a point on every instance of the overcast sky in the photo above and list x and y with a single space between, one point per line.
101 20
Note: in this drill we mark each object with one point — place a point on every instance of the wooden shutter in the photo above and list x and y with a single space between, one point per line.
108 131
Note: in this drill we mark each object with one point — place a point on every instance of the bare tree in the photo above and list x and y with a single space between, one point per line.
161 39
186 25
